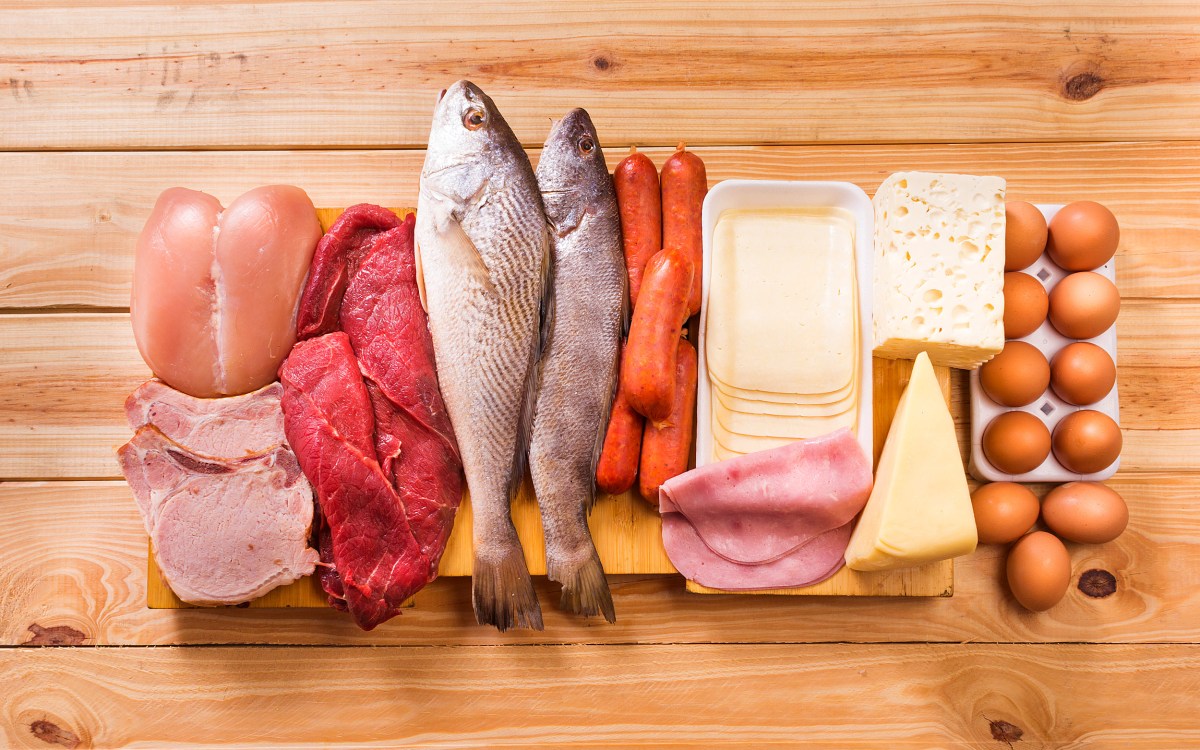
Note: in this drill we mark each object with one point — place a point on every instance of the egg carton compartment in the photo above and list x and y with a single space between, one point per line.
1049 408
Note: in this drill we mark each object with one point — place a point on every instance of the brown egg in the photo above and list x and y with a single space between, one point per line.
1084 305
1025 304
1024 235
1085 512
1017 376
1003 511
1039 571
1082 373
1083 236
1016 442
1087 441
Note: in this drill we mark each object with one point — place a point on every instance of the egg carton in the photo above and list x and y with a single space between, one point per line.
1049 408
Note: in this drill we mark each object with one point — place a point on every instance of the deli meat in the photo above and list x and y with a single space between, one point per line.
364 411
772 519
230 427
225 530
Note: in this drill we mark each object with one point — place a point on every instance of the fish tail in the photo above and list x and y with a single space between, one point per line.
584 587
503 591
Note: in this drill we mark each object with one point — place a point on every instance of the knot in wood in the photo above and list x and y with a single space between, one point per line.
1098 583
1082 86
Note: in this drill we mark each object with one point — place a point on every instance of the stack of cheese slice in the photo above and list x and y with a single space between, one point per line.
783 334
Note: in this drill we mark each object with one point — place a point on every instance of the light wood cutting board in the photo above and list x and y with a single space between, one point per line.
627 530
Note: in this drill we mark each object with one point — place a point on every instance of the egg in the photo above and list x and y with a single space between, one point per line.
1025 304
1024 235
1084 305
1003 511
1082 373
1086 512
1083 236
1016 442
1039 571
1087 441
1017 376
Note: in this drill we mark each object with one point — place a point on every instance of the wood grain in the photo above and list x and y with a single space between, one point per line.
364 75
69 221
60 405
75 564
828 695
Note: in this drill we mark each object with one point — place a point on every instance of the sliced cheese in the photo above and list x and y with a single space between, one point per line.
781 313
920 506
765 425
783 406
939 268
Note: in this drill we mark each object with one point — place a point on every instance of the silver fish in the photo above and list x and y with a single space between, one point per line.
485 262
579 364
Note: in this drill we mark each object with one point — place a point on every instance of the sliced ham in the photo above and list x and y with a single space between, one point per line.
215 291
230 427
225 530
771 519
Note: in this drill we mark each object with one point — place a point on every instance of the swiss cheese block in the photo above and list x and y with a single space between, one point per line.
939 268
920 507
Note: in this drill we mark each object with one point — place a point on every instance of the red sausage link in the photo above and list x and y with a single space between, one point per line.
648 372
666 447
684 185
636 182
617 469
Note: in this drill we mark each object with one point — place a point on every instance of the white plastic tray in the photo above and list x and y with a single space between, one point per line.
791 194
1049 408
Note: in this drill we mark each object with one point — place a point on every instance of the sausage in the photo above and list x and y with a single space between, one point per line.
648 372
684 185
666 447
636 183
617 469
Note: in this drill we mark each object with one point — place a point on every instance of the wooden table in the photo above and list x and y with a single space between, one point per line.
110 101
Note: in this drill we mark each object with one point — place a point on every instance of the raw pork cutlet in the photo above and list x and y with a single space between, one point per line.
225 530
233 426
329 422
414 441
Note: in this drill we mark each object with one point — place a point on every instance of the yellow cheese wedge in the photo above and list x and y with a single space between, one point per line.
920 506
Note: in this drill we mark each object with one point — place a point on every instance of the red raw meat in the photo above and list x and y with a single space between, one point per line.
375 553
372 393
334 263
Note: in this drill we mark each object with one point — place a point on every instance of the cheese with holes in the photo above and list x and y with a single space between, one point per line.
939 268
920 507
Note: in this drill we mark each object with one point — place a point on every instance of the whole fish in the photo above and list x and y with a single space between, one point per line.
579 364
484 250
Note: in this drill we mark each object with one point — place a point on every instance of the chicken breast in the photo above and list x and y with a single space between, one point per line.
215 291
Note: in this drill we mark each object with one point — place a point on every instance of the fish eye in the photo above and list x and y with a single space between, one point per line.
586 145
474 118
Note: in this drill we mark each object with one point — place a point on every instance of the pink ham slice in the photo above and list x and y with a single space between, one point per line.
229 427
771 519
215 291
225 530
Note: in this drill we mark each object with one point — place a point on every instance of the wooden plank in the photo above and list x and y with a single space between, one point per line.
75 571
830 695
61 418
69 221
112 75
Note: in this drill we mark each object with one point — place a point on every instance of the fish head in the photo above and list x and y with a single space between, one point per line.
572 174
466 126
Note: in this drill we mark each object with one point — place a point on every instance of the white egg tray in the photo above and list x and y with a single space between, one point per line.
732 194
1049 408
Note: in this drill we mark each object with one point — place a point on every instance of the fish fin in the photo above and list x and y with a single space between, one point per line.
502 591
534 376
585 588
462 252
420 271
606 415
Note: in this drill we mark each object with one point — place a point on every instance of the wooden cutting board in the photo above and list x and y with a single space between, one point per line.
627 530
